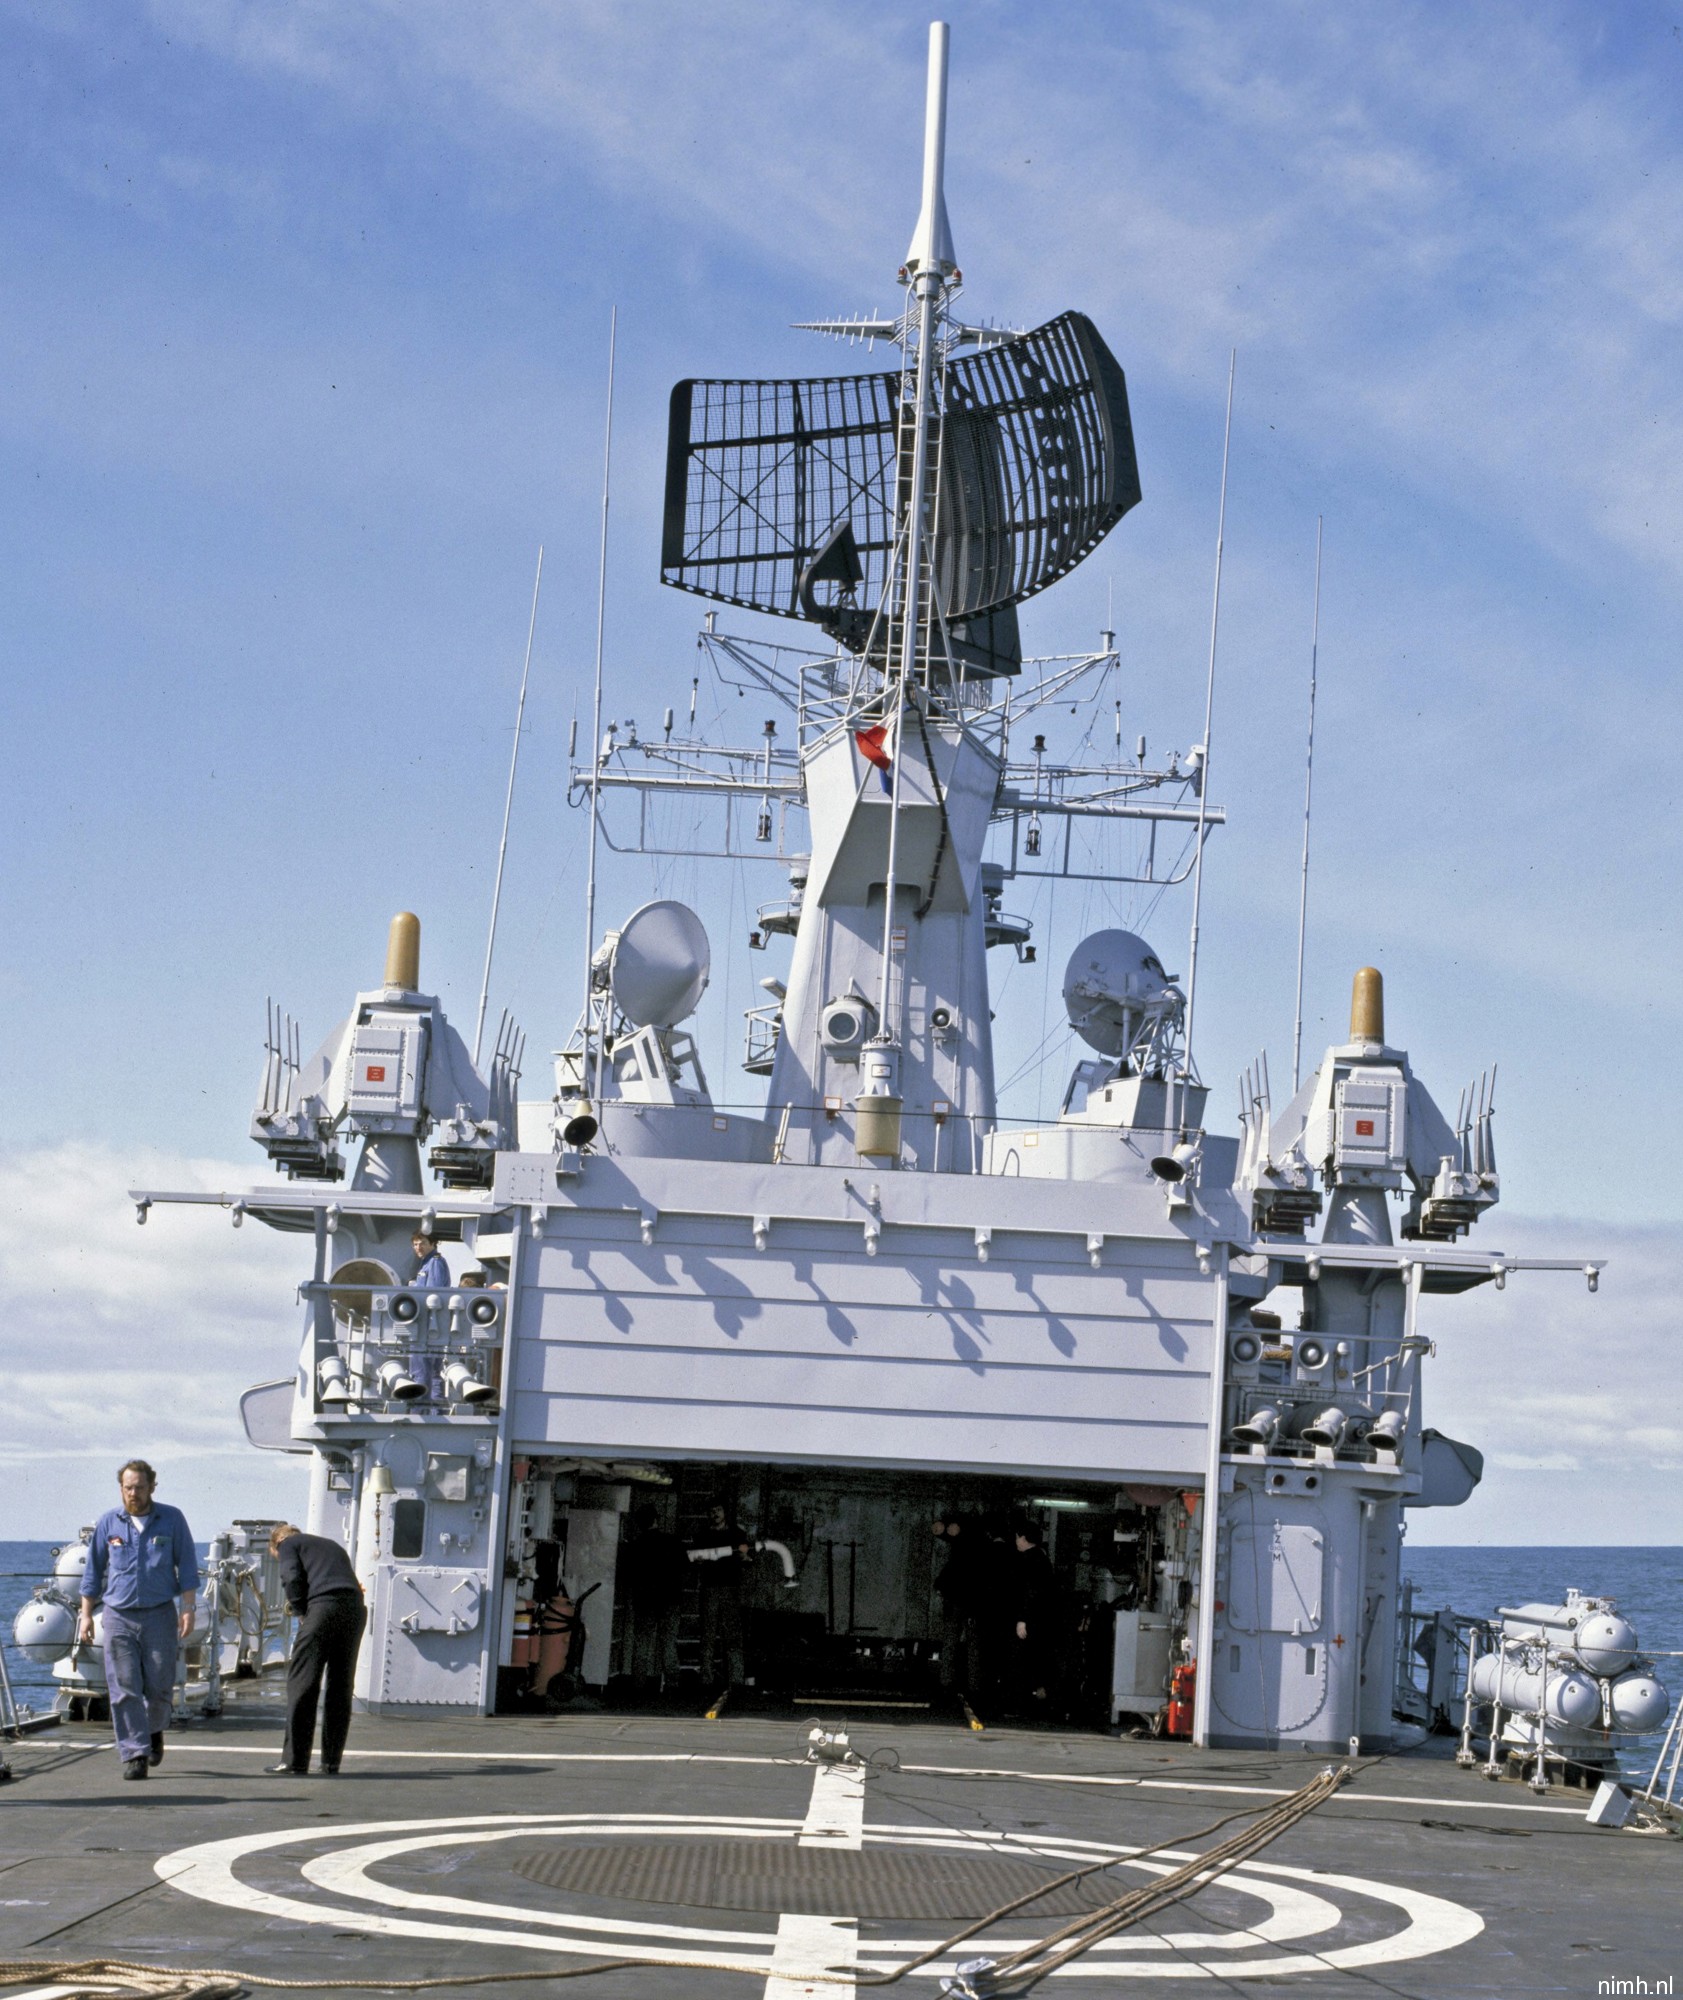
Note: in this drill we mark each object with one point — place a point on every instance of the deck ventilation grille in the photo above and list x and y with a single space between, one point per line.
911 1885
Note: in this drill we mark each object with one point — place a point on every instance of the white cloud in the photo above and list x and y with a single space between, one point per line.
1573 1398
125 1341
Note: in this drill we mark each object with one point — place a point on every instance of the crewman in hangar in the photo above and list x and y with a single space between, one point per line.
1032 1595
654 1565
959 1591
722 1659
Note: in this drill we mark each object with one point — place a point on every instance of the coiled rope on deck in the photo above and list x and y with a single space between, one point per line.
1022 1969
126 1979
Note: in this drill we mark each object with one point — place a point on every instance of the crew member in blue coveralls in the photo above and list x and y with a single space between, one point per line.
432 1274
142 1568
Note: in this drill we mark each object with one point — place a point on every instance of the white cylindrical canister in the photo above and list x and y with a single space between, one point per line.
1605 1642
1572 1699
44 1630
1639 1702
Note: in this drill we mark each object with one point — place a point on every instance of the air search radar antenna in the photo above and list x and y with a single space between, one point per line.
794 497
906 513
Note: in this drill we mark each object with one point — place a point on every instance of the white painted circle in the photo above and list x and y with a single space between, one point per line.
1297 1902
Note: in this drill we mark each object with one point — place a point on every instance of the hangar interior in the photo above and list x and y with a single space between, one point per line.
1063 1599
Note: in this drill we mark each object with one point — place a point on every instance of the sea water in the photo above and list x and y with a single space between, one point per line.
1648 1584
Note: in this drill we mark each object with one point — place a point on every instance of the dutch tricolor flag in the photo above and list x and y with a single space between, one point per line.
876 747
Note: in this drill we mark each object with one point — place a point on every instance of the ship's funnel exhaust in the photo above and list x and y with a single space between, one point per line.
1367 1006
403 952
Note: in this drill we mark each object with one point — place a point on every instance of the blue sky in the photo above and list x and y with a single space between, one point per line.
303 357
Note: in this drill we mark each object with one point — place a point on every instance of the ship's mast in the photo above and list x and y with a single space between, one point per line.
930 267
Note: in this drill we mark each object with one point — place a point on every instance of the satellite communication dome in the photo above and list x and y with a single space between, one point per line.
660 965
1113 984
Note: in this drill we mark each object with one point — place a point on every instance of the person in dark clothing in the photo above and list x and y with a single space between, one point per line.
994 1645
1033 1594
323 1591
655 1566
959 1590
722 1661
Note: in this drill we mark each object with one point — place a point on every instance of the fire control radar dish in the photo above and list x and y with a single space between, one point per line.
1113 986
660 965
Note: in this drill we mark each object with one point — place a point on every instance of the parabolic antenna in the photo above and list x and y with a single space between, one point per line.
354 1284
1113 986
660 965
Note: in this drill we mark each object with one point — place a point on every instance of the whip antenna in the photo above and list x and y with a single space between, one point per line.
1209 711
596 717
508 807
1308 794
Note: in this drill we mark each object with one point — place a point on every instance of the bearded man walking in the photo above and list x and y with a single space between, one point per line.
141 1569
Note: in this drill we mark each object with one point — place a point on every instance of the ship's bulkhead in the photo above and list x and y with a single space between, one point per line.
845 1596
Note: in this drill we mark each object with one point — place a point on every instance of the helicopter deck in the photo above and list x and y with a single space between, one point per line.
710 1858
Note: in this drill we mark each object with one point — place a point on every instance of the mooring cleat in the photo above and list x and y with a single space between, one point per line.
973 1980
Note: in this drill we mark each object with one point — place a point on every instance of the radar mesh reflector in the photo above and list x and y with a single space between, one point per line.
1036 457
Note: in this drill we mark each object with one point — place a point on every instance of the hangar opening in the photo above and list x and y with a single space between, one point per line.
677 1585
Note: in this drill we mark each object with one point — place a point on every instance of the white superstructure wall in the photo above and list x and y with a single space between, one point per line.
998 1325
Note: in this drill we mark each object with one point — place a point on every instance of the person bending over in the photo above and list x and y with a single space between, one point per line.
322 1589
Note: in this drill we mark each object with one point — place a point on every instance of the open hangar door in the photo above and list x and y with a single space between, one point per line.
669 1584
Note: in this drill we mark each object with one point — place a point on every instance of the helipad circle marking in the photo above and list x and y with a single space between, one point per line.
1296 1914
208 1871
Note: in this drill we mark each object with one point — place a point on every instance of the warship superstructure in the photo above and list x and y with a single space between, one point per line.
1195 1361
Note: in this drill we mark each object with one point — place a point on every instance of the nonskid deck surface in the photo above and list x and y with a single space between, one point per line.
501 1846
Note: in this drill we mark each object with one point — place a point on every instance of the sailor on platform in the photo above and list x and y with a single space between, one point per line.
140 1561
432 1274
